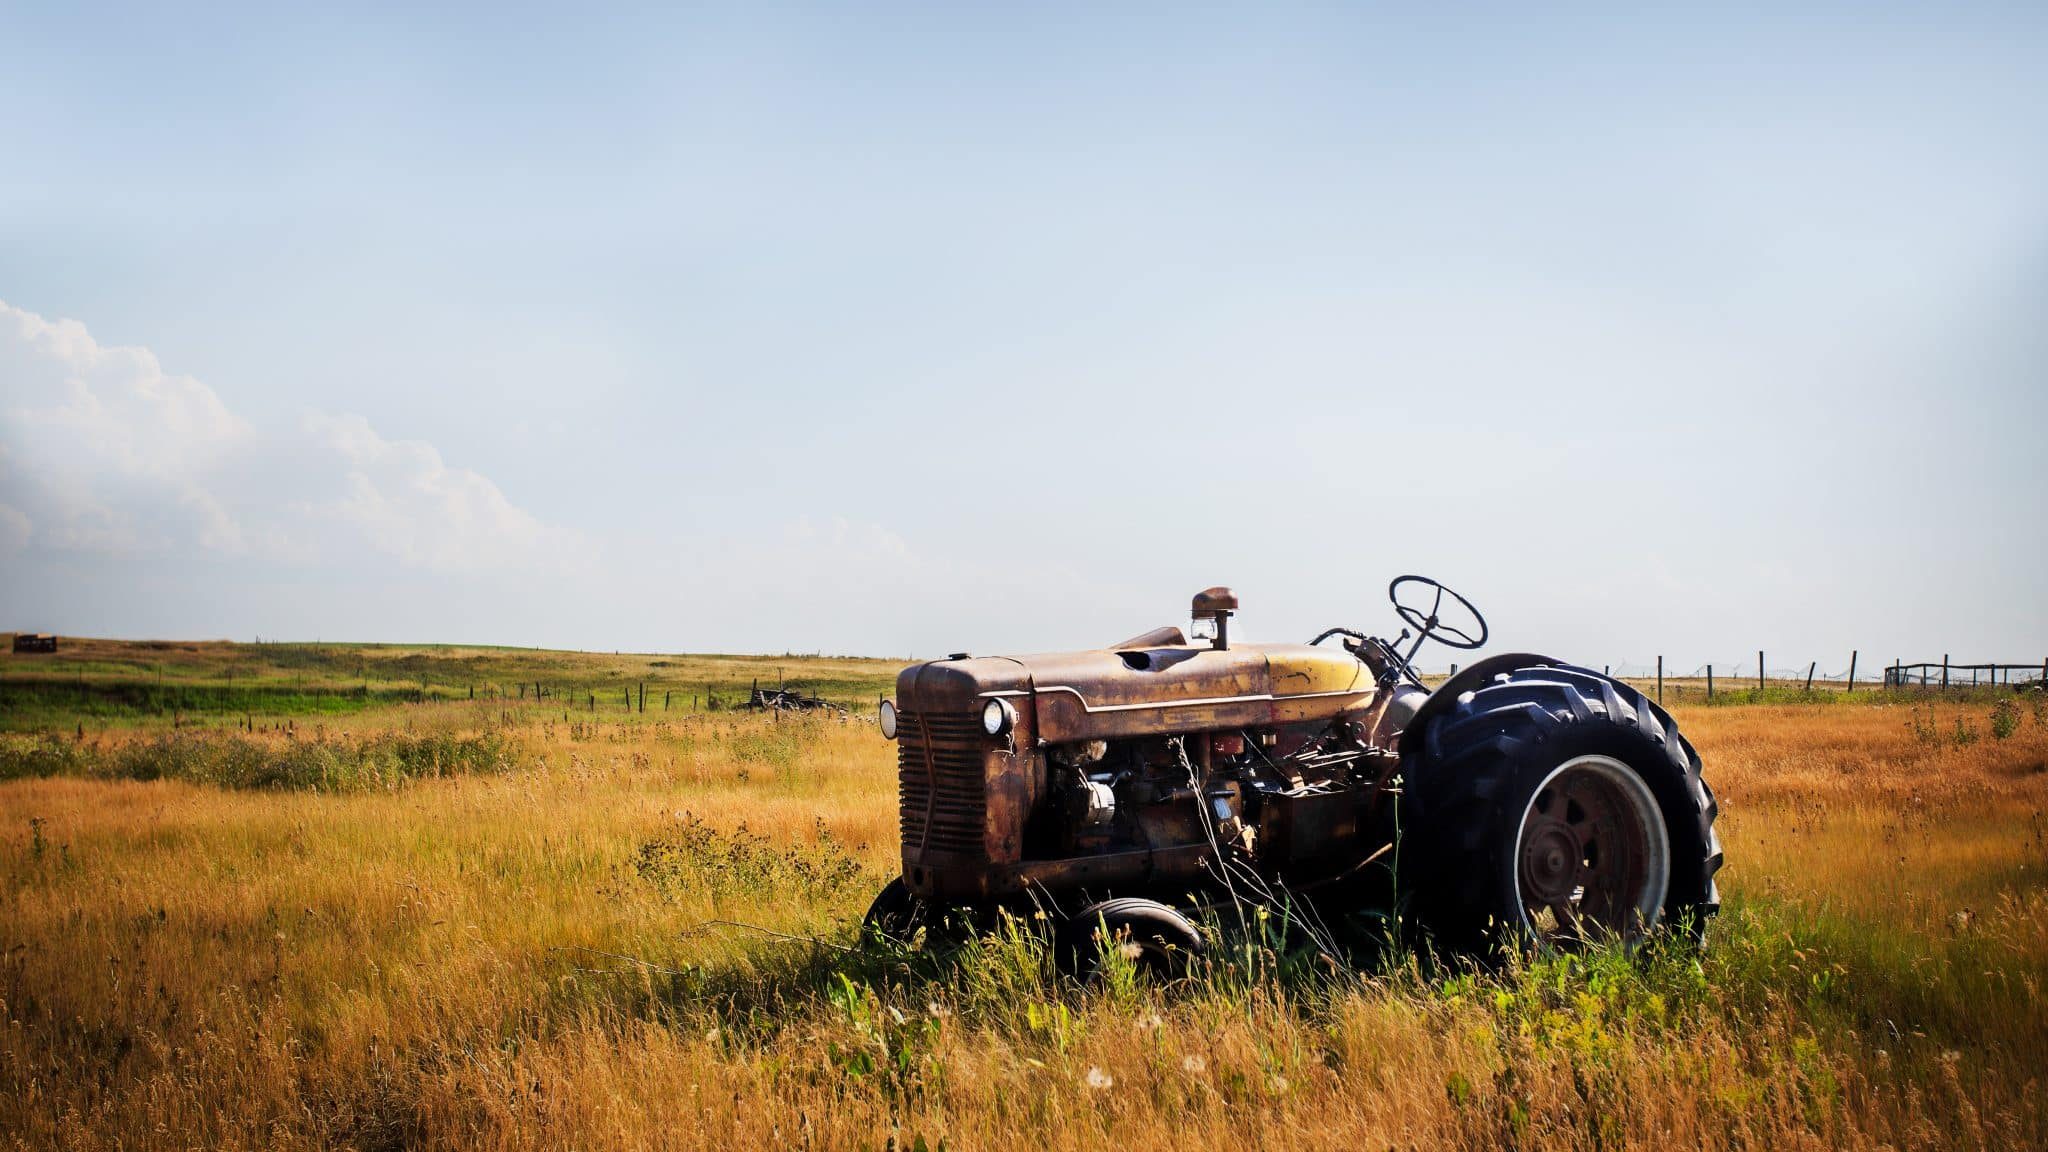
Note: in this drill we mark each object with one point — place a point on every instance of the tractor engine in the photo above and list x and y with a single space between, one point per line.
1143 766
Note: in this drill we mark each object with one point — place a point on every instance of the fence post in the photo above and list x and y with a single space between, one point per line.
1710 681
1759 669
1944 672
1660 680
1809 674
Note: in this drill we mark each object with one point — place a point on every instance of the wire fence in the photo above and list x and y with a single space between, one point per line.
1759 673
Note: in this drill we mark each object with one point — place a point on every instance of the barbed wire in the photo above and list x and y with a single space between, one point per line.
1736 672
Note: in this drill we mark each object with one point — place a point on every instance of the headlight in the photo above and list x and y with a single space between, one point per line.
996 717
888 718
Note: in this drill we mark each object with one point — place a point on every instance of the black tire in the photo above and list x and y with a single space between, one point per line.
1472 790
898 914
1166 941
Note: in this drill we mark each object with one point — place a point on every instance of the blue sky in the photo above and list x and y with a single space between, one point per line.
902 329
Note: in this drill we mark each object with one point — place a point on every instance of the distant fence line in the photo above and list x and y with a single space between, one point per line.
1946 675
150 692
1739 674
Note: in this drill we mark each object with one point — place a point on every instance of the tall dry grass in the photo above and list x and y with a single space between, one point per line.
529 959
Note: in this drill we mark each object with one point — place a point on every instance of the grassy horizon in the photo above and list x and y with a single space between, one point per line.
213 683
113 682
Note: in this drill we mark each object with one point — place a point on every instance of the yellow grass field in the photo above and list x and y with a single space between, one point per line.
545 955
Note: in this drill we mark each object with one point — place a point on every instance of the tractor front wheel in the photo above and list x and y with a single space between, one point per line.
898 914
1158 940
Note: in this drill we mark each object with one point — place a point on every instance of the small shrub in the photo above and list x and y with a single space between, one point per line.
1965 734
1924 728
2005 719
229 760
23 756
741 865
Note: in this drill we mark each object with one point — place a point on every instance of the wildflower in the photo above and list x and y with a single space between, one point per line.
1278 1084
1098 1079
1194 1064
1150 1023
1131 951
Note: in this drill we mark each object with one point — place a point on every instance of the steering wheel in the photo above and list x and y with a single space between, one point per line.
1429 624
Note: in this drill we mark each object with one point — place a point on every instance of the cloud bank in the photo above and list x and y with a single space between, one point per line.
102 451
137 501
403 500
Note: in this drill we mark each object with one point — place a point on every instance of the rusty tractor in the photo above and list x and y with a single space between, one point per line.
1126 792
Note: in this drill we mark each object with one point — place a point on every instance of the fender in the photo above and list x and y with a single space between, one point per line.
1467 680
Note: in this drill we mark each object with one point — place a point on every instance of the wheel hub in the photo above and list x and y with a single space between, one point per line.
1593 856
1549 855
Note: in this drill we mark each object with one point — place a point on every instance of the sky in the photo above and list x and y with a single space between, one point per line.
903 330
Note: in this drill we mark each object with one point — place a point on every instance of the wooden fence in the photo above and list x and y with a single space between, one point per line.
1949 675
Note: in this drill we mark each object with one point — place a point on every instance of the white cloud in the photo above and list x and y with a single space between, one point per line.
103 450
108 450
407 502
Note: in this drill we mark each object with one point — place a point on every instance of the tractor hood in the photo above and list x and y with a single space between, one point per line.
1157 689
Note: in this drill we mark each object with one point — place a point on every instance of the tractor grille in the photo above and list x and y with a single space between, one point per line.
950 787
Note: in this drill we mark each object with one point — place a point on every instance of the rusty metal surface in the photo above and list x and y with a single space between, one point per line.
1168 637
940 783
963 797
968 799
1105 694
1142 866
1307 828
1581 859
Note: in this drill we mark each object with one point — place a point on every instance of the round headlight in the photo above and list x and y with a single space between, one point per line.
888 718
996 716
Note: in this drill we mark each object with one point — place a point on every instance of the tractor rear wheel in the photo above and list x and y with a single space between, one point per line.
1554 807
1159 940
